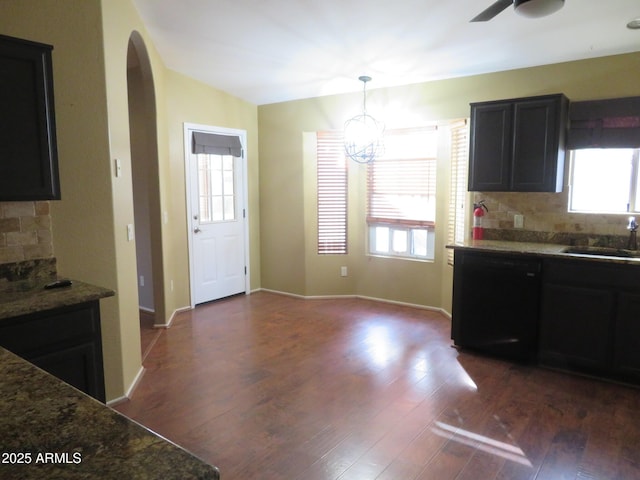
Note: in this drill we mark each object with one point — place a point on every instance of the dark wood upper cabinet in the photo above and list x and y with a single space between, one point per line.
517 145
28 152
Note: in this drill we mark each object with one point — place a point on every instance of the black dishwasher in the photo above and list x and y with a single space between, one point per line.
495 303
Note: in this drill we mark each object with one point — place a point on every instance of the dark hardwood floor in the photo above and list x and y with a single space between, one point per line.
272 387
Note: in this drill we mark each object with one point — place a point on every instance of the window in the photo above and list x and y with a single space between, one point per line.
332 193
401 195
604 139
216 188
605 180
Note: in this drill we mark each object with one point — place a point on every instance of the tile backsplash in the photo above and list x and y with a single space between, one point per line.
546 219
25 231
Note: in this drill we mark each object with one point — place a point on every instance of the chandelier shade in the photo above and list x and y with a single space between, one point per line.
537 8
363 134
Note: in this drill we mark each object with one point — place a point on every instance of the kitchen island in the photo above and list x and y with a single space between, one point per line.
52 430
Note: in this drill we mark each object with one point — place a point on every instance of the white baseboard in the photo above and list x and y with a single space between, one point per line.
278 292
375 299
130 390
405 304
116 401
172 317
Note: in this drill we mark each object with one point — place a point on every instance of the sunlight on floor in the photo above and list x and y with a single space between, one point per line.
381 346
466 379
486 444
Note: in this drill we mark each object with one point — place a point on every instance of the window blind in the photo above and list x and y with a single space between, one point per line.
611 123
215 144
456 228
332 193
401 185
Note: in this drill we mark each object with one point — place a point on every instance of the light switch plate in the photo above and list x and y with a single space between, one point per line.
518 221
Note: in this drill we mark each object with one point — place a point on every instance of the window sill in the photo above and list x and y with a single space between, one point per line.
399 257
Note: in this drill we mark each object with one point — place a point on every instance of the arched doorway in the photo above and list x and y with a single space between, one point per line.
146 180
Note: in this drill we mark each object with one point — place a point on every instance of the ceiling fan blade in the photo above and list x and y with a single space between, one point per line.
492 11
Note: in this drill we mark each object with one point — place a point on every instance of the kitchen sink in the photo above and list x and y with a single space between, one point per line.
603 251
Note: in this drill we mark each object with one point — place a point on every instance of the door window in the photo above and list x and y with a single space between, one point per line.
216 193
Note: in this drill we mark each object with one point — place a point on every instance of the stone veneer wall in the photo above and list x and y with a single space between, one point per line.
547 220
25 231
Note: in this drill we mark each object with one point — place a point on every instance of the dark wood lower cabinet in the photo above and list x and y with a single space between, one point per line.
626 357
575 327
590 318
579 315
65 342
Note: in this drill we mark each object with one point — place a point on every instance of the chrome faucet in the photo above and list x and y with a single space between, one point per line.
633 230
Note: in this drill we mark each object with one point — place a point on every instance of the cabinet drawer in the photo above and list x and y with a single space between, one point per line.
35 332
592 273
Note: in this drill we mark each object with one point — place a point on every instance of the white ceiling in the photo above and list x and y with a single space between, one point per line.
268 51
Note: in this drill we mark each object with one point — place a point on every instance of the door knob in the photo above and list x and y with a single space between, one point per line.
196 230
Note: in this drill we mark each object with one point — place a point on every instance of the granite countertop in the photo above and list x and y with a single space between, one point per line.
56 431
23 297
541 250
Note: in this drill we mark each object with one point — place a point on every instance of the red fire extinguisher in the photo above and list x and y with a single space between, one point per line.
478 212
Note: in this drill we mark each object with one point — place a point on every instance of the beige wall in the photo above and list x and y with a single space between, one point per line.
178 99
193 102
287 178
83 221
90 39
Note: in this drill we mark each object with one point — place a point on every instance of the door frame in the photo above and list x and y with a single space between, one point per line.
188 129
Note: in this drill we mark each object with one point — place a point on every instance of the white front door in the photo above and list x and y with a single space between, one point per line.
217 224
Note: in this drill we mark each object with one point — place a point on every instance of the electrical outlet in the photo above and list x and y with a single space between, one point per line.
142 280
343 271
518 221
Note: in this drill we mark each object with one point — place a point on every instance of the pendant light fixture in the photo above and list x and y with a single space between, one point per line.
363 134
537 8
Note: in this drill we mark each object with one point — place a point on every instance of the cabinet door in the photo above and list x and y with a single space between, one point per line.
28 152
627 337
575 327
490 147
65 342
537 164
78 365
